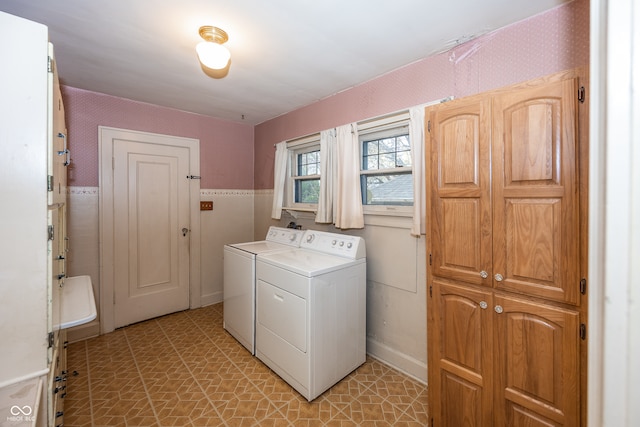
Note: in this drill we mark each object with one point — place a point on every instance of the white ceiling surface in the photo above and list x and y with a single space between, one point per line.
285 53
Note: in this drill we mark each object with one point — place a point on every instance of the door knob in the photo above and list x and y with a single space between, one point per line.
484 274
499 277
185 230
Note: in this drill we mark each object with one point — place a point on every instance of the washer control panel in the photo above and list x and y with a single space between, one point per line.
286 236
334 244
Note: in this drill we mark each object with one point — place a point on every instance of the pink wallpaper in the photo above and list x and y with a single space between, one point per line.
226 148
546 43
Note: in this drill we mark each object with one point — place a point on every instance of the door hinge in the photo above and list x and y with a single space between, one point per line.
583 286
50 339
49 182
429 126
50 232
431 291
193 177
49 64
583 331
581 94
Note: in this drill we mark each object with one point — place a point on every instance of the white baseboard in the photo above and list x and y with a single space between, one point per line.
210 299
400 361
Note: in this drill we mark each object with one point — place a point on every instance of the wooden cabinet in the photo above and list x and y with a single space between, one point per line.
504 257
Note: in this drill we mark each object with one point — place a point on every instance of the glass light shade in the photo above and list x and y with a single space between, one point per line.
213 55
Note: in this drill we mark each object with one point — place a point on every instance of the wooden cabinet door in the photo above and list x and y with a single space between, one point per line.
460 387
504 200
535 202
460 190
536 364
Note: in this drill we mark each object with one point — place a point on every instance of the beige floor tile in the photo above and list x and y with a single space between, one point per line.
184 369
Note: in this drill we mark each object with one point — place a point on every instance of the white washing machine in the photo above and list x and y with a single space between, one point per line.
311 311
240 280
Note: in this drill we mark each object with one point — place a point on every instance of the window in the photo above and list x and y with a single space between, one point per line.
304 173
385 175
307 177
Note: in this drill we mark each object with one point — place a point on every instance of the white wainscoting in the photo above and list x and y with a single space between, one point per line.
230 221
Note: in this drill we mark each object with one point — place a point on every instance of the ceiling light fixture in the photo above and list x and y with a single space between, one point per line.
211 53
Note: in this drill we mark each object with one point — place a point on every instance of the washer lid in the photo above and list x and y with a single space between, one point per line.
262 246
307 263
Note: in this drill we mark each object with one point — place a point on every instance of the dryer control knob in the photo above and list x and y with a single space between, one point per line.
310 238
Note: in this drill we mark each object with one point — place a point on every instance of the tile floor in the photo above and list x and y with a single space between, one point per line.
184 369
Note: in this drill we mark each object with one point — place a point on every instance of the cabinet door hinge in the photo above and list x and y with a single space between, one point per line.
49 64
49 182
583 331
50 231
581 94
50 339
583 286
429 126
431 291
430 260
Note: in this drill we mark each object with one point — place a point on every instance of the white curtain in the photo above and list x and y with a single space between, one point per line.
279 177
416 136
349 213
326 205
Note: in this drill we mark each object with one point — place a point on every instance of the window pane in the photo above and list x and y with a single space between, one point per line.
387 161
309 163
386 153
403 159
388 145
307 190
394 189
371 147
403 143
369 162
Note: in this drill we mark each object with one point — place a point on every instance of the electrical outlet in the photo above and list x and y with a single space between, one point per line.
206 206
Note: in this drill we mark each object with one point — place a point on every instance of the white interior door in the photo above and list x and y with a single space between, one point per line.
151 194
146 225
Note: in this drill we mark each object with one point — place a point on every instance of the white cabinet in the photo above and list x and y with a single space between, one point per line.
33 226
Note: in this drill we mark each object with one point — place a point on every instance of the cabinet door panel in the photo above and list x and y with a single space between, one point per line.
537 363
460 196
535 207
460 382
59 142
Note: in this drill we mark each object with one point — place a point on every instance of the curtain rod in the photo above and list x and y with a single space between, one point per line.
391 114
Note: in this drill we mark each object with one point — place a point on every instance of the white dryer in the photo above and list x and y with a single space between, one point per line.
311 311
240 280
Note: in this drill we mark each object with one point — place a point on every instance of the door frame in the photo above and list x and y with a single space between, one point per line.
106 217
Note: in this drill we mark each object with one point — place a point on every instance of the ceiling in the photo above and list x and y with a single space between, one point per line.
285 54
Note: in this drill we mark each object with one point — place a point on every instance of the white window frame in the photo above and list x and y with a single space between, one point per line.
296 147
385 126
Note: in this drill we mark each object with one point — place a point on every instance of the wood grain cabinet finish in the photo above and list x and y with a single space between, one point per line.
504 257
